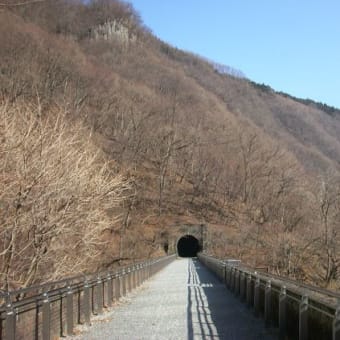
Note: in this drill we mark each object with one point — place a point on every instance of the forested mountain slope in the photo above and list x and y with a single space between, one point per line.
184 143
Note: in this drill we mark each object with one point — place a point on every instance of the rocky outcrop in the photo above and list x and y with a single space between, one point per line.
114 30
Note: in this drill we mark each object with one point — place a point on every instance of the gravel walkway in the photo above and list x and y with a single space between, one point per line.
183 301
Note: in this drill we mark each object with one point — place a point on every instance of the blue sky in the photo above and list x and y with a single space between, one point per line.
290 45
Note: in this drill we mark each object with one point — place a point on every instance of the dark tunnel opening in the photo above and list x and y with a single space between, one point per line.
188 246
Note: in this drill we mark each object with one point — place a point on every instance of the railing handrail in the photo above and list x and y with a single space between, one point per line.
299 284
52 309
247 283
72 281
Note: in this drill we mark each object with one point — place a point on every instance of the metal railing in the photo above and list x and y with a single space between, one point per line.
298 311
53 309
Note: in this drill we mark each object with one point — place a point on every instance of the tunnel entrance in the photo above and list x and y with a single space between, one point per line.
188 246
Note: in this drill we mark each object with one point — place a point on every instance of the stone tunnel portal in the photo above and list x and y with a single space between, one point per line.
188 246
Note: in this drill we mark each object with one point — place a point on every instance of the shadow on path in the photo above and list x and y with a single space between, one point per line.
214 313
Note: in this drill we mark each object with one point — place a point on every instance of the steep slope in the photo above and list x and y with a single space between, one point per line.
309 129
197 146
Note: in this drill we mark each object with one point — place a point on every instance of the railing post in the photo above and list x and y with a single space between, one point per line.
249 297
257 297
109 294
233 280
10 325
146 267
123 282
133 277
267 303
99 295
146 271
87 303
140 273
303 318
227 276
141 269
130 279
241 285
282 313
245 287
46 317
232 273
137 275
237 282
69 310
153 268
127 279
336 323
117 287
230 282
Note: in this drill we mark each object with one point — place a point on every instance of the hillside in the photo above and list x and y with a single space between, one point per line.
189 144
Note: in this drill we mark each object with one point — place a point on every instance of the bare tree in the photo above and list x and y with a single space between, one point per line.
57 192
329 212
